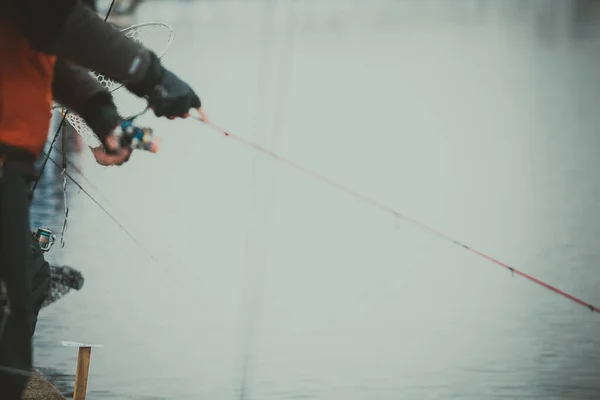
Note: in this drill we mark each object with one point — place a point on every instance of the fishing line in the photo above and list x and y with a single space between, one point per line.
72 165
63 173
256 249
62 121
144 248
256 282
66 162
395 213
127 231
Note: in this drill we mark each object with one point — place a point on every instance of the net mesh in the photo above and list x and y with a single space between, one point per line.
155 36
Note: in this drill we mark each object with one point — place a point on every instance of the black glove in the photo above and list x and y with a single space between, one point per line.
100 113
172 97
167 95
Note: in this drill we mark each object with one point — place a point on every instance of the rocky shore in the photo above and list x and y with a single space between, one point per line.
40 389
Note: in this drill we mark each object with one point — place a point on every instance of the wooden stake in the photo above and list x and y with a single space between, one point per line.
81 376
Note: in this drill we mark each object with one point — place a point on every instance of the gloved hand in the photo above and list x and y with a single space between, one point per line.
101 115
172 97
167 95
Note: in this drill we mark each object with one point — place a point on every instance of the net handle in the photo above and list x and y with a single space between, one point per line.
147 24
138 26
155 23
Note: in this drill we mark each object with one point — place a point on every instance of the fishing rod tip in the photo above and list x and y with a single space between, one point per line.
203 117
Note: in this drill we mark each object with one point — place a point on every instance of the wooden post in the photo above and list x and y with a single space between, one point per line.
81 376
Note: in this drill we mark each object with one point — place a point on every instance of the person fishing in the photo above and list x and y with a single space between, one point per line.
42 42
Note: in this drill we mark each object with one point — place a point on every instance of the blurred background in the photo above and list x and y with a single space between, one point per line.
477 117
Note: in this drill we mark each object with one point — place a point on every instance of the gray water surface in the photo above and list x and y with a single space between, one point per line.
478 118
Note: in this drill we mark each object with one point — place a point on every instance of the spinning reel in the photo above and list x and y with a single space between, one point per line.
45 238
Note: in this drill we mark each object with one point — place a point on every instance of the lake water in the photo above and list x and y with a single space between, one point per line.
479 118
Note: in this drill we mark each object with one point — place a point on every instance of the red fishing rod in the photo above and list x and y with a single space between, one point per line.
395 213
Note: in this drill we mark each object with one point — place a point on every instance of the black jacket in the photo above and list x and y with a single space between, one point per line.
72 31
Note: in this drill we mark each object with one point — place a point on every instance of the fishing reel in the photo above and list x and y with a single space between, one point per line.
135 137
45 238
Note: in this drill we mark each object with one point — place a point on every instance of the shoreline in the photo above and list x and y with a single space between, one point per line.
39 388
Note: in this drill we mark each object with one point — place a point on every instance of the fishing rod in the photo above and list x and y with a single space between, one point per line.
131 136
202 118
128 135
64 118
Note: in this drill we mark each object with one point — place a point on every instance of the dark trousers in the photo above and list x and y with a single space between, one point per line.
16 357
40 282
